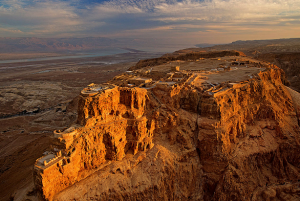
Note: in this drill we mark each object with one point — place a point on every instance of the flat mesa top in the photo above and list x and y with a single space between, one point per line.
208 64
198 72
234 75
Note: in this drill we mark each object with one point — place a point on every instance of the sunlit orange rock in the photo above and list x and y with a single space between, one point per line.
199 137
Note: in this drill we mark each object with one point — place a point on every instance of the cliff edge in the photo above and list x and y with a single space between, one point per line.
218 127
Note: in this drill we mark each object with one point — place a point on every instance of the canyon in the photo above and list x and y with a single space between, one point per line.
191 126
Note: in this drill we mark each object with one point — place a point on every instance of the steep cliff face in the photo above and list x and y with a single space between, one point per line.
289 62
185 140
259 99
110 123
258 135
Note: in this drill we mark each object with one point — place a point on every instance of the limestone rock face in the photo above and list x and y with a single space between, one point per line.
110 123
255 142
183 141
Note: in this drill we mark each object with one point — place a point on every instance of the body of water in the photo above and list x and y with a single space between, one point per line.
104 52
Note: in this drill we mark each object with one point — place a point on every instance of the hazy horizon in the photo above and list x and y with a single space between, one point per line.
181 22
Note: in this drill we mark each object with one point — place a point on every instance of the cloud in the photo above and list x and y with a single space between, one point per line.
148 18
228 10
41 17
11 31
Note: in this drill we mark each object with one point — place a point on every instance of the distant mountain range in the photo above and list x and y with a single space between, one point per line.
254 47
202 45
31 44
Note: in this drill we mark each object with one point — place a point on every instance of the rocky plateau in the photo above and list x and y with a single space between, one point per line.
194 126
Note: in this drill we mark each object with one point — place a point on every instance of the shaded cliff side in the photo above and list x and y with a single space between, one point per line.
289 62
218 134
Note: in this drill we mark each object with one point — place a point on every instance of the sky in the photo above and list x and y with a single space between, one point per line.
159 21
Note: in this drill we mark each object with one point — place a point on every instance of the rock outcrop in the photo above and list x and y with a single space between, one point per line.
289 62
111 121
191 135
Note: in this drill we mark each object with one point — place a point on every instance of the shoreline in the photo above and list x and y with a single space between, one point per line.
36 57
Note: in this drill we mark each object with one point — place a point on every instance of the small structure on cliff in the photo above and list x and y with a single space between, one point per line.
94 89
138 81
57 157
175 68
